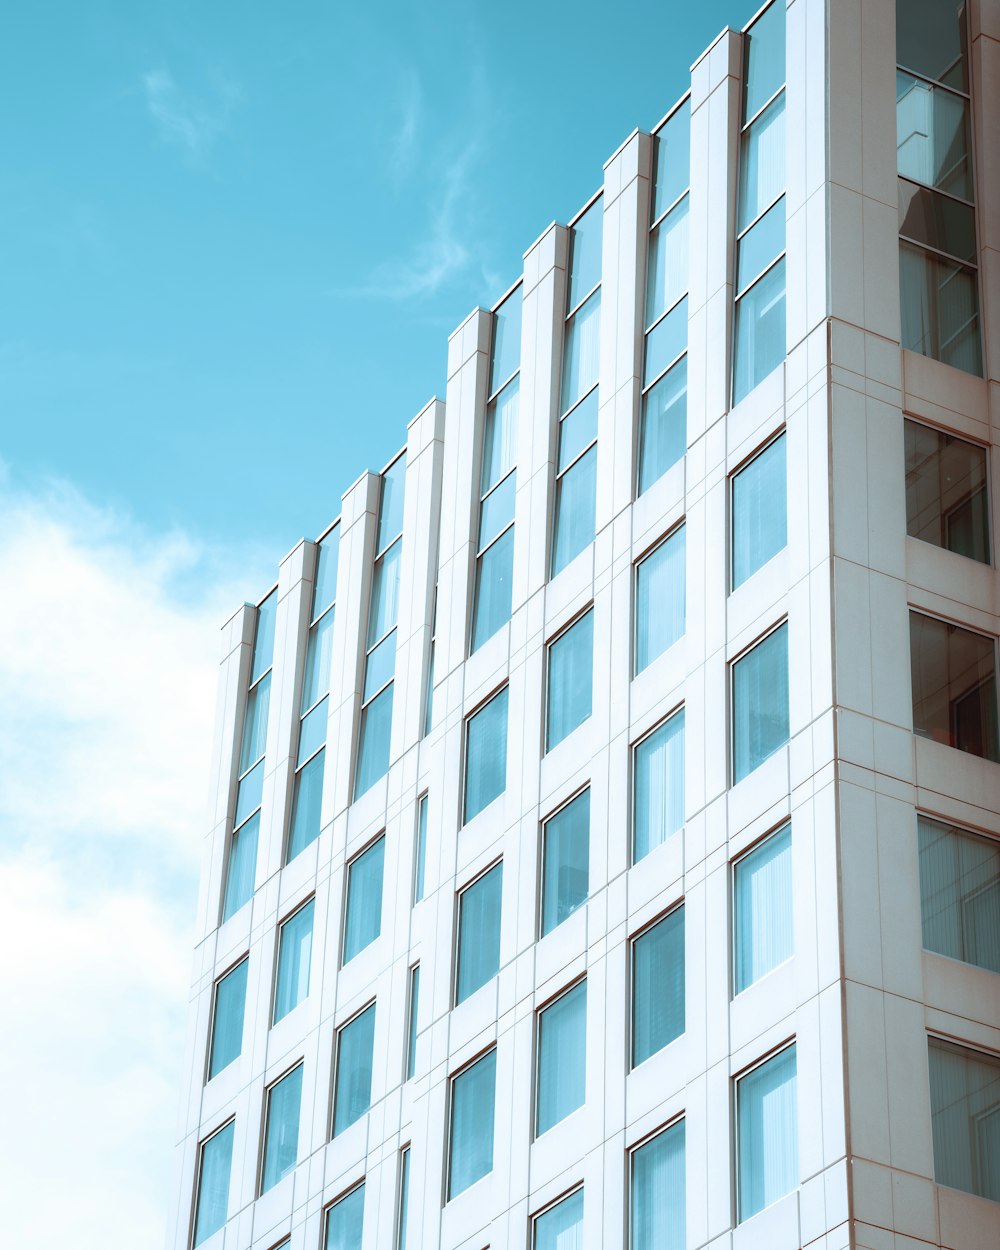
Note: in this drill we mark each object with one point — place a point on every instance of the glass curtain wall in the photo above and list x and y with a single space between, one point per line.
663 411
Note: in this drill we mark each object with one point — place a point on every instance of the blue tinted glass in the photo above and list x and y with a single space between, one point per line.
473 1103
384 610
486 755
213 1183
571 680
561 1227
381 666
760 331
294 960
494 570
281 1139
242 868
325 587
660 599
767 1134
316 679
421 864
248 793
306 806
659 785
760 524
576 506
932 136
566 862
658 1183
931 39
479 933
761 244
762 909
312 731
585 253
582 352
364 899
500 435
667 270
227 1021
562 1058
666 341
497 510
411 1039
760 703
404 1198
762 163
373 751
671 159
255 723
663 428
658 986
355 1047
577 430
506 339
765 58
345 1221
263 647
390 519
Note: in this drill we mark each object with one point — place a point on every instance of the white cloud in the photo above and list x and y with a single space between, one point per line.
108 661
187 122
403 149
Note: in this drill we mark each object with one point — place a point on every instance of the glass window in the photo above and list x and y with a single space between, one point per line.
263 647
663 434
762 165
470 1142
571 679
364 899
762 905
672 159
657 1217
227 1017
248 793
319 649
946 502
565 861
667 277
486 755
760 524
939 302
345 1221
506 340
479 933
767 1134
494 573
325 582
585 253
932 135
390 521
960 893
953 672
307 800
760 702
965 1118
255 724
411 1021
575 513
659 599
353 1084
281 1135
562 1058
765 59
403 1215
760 331
373 753
930 39
294 958
214 1171
658 986
936 221
561 1226
420 864
242 867
658 790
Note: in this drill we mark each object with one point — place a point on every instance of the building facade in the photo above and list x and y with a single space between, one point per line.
606 837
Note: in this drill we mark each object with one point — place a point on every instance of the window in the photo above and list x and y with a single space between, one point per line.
479 933
658 986
294 958
364 899
241 868
403 1214
576 462
561 1226
762 906
383 614
470 1142
946 500
760 702
760 526
657 1206
345 1221
759 337
420 857
938 276
571 680
663 412
227 1017
281 1135
429 693
498 482
658 789
659 599
486 755
562 1058
353 1084
959 893
411 1021
953 672
565 861
767 1133
965 1118
307 800
215 1168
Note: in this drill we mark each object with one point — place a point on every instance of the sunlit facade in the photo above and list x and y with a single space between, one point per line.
605 843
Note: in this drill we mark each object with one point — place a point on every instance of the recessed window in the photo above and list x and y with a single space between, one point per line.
353 1084
215 1168
658 986
659 599
762 909
364 899
242 867
470 1141
760 524
227 1018
561 1226
658 787
960 893
767 1134
946 501
562 1058
281 1134
571 680
403 1214
657 1199
307 800
965 1118
760 702
486 755
420 857
478 933
953 673
565 861
411 1021
345 1221
294 959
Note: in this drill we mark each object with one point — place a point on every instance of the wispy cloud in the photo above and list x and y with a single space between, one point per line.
189 121
403 148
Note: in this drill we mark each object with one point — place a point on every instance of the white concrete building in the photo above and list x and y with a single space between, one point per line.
606 846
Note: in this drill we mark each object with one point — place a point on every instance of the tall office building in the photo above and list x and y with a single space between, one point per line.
606 846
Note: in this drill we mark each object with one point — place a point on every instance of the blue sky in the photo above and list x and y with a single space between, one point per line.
234 238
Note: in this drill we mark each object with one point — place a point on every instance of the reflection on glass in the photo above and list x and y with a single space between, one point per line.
486 755
585 253
227 1018
306 803
946 500
659 599
762 163
762 906
242 868
562 1058
671 159
668 262
345 1221
294 960
932 136
470 1144
281 1134
571 679
576 510
760 703
930 39
565 861
373 753
659 786
255 723
953 675
353 1086
767 1134
965 1118
760 524
658 986
760 331
479 933
939 302
663 427
764 68
494 571
657 1207
213 1183
960 893
561 1226
364 899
